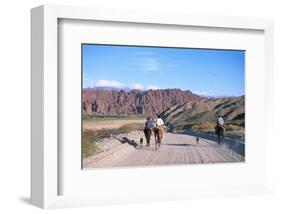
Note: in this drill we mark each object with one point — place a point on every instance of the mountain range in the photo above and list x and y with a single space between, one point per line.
180 109
133 102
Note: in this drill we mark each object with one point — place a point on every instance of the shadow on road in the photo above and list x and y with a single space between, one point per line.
128 141
177 144
190 145
230 143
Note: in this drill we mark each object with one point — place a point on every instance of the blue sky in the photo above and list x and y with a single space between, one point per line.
203 71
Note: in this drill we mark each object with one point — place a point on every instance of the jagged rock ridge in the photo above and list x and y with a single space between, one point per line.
134 102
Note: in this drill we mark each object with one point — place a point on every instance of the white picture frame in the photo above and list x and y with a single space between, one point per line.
45 147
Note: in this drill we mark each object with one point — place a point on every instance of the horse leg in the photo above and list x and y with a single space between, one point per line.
156 142
146 137
222 136
160 136
149 137
157 139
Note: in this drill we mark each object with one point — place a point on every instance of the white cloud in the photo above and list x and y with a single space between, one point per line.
108 83
208 95
203 93
136 86
152 87
117 85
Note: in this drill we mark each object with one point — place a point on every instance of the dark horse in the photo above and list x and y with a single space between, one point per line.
148 134
219 130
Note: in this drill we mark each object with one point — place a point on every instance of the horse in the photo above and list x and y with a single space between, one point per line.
148 133
219 130
157 131
158 134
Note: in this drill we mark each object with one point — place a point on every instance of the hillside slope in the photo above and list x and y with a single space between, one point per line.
191 113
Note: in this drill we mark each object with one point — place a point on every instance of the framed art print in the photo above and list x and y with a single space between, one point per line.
181 106
132 106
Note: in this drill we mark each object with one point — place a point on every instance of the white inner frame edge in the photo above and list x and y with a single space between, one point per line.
44 78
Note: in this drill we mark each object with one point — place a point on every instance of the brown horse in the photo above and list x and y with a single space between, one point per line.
158 134
219 130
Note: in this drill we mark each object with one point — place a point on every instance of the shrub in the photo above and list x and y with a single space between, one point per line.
88 146
90 137
232 127
203 126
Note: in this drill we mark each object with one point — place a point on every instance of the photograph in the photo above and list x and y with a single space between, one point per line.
144 106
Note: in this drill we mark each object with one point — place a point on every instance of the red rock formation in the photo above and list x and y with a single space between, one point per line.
112 102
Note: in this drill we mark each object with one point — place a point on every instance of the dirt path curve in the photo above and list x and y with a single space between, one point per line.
123 151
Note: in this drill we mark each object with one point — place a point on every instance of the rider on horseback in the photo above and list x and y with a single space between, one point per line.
154 127
149 124
219 130
159 131
159 121
220 122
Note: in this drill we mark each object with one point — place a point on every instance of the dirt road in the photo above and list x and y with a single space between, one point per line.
123 151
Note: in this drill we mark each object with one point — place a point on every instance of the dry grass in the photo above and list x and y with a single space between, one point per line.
99 124
232 127
91 137
210 126
89 147
203 126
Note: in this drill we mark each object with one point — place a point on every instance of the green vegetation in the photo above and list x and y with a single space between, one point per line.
91 137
